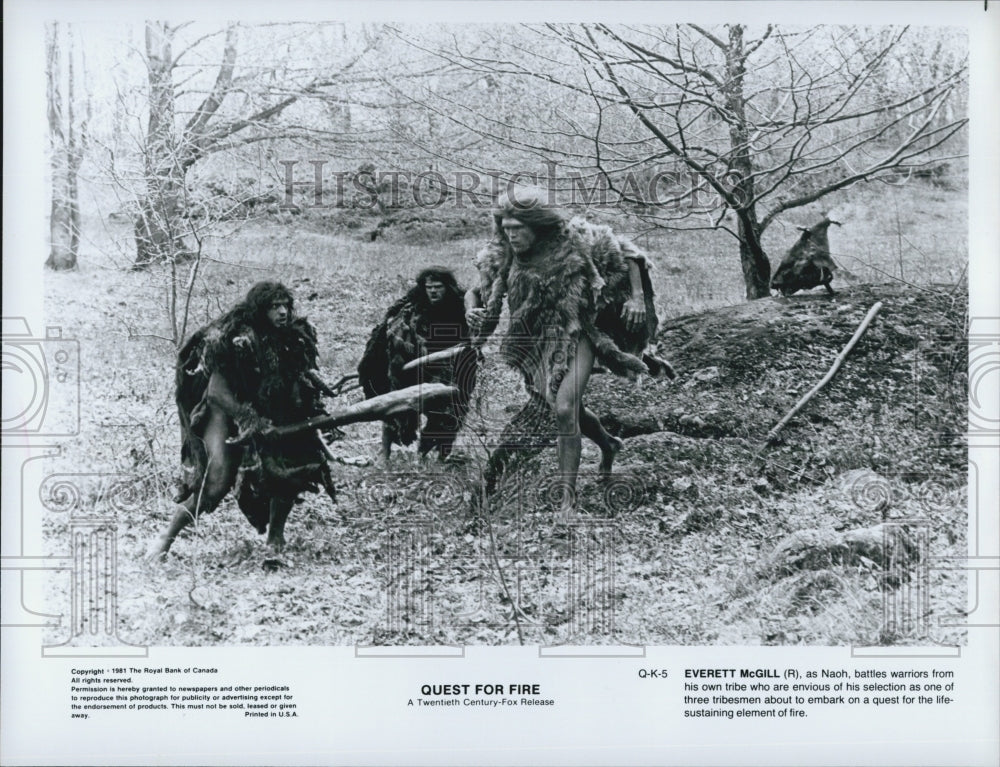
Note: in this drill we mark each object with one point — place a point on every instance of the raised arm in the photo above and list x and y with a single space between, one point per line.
473 298
483 302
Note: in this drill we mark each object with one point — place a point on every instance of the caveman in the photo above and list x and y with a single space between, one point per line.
429 318
237 378
577 293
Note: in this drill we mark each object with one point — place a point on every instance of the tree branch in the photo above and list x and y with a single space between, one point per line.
709 36
223 81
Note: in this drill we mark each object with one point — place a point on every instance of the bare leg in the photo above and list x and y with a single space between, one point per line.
569 417
280 507
594 430
223 463
386 441
569 449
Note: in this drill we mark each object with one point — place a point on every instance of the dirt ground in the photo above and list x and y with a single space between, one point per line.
704 535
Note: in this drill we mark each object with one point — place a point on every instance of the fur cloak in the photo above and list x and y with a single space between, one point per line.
270 373
412 328
574 286
808 263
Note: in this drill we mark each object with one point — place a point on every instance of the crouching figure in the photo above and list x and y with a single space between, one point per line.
808 262
237 379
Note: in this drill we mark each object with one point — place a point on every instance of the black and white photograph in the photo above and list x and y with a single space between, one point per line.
382 341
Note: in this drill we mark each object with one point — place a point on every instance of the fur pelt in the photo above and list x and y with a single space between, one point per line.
268 370
575 284
808 262
412 327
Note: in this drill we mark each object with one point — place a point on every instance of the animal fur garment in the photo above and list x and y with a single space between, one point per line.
808 262
411 328
574 286
268 372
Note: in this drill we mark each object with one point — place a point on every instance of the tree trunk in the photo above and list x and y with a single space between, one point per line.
158 223
756 267
64 219
65 158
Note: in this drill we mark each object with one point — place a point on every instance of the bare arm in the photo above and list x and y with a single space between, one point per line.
473 299
634 278
220 395
634 310
474 311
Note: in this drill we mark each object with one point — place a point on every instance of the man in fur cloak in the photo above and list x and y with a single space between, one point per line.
577 293
237 378
429 318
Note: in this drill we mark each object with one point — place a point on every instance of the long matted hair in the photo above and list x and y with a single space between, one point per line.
533 208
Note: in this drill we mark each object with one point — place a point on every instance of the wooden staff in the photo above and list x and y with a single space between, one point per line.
441 356
374 409
772 435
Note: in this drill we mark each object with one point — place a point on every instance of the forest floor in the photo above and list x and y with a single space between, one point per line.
704 535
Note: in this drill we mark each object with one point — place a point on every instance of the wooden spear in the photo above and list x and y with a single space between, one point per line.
374 409
441 356
772 435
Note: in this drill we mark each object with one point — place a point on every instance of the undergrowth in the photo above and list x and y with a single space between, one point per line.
672 552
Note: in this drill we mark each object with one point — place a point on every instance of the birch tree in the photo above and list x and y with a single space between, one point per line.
67 124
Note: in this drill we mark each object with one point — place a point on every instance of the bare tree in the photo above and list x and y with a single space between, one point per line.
237 109
67 143
722 128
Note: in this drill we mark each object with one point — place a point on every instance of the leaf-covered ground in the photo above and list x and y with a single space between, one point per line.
708 535
704 535
880 444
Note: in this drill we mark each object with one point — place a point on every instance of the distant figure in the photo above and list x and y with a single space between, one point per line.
578 294
808 263
429 318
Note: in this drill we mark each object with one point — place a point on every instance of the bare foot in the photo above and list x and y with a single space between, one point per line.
567 509
608 455
276 545
156 553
